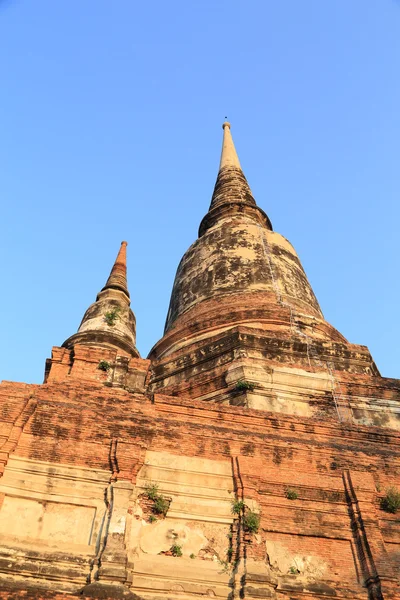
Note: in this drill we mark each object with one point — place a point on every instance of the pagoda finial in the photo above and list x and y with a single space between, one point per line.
231 193
229 157
117 279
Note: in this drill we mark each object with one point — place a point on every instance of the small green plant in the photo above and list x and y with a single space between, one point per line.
291 494
391 501
176 550
224 564
294 571
192 555
243 386
111 316
161 505
152 519
229 554
104 365
251 522
151 491
237 507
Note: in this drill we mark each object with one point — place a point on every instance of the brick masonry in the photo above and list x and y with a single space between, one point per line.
250 409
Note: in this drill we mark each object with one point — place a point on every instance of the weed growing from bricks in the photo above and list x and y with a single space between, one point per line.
391 501
176 550
251 521
243 386
161 505
111 316
104 365
291 494
151 491
237 507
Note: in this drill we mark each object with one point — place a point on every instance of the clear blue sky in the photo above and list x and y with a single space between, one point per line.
110 129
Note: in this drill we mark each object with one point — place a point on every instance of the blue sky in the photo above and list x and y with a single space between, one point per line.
110 128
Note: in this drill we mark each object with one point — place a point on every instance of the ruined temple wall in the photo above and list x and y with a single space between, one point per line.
76 444
239 255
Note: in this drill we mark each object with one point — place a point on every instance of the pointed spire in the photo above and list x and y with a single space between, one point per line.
229 157
231 191
117 279
231 185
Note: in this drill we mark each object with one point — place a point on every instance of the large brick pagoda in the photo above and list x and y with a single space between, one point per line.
254 454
